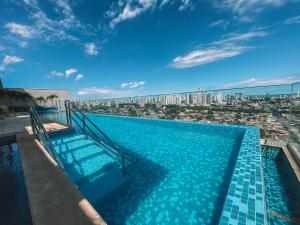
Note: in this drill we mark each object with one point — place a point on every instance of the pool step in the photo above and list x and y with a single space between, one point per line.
104 186
84 160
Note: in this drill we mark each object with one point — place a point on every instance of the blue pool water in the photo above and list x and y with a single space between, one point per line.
14 208
182 177
282 189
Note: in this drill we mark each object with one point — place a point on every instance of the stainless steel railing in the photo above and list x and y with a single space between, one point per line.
89 128
40 132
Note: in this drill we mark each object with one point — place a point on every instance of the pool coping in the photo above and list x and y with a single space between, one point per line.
53 199
244 203
292 162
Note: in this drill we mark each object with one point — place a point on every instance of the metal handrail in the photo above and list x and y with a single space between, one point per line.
39 130
107 138
111 147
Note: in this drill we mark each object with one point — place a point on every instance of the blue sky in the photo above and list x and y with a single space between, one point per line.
138 47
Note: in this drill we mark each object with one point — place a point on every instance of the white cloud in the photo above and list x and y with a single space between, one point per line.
102 92
55 73
245 10
70 71
219 23
201 57
253 82
131 9
128 89
79 77
292 20
231 45
65 74
10 60
94 90
62 26
240 37
163 3
23 44
21 30
52 30
31 3
186 4
134 85
91 49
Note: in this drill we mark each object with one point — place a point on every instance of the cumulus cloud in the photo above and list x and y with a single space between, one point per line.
231 45
66 74
10 60
134 85
79 77
21 30
55 73
91 49
70 71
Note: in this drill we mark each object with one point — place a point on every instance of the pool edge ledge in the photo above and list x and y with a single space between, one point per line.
53 199
244 203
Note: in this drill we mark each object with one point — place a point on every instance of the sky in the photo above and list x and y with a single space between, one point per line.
117 48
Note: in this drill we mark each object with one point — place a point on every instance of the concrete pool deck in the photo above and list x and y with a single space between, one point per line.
13 125
53 198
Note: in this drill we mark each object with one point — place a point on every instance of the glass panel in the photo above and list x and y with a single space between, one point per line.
267 107
294 125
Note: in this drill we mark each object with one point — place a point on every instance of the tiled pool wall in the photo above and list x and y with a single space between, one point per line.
282 188
244 202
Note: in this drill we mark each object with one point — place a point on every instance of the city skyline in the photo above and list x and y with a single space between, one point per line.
143 47
201 97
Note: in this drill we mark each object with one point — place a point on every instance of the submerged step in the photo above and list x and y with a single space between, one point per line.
81 156
104 186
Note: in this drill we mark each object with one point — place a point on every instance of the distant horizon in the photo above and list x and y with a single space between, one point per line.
270 83
210 90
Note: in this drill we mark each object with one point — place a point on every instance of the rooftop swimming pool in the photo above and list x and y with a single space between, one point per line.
183 175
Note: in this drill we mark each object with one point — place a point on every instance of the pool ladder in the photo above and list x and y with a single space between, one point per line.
40 132
90 129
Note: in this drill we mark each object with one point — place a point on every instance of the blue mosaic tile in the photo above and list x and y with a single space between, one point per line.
244 202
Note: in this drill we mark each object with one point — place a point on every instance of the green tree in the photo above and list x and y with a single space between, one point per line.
40 100
16 95
51 98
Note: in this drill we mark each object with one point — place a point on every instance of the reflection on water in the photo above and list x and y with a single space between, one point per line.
14 209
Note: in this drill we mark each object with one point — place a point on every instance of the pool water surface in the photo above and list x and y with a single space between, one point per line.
183 173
